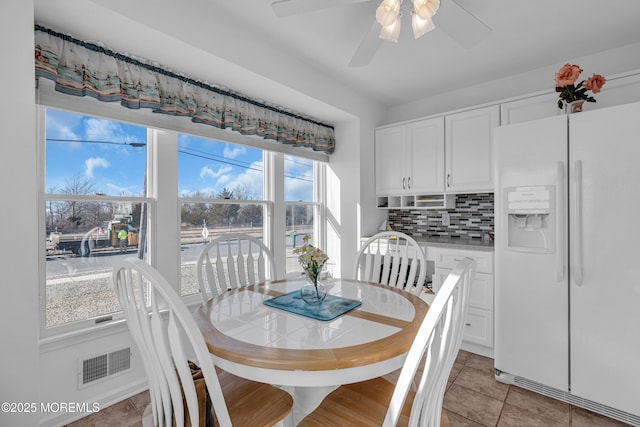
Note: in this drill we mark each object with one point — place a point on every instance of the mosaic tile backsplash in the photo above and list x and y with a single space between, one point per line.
471 218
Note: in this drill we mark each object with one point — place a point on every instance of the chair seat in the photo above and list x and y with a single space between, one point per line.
252 403
359 404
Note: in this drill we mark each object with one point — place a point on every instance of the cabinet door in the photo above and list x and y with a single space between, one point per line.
480 293
469 150
391 170
425 141
533 108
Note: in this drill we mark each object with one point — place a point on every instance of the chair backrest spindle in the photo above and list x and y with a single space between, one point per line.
240 260
167 335
392 258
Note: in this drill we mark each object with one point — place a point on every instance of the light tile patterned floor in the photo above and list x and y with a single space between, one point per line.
473 398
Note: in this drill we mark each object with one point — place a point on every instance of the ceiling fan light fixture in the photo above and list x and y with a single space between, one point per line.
426 8
421 26
387 12
391 32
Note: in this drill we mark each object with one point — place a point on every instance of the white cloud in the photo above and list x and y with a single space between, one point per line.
101 130
299 189
251 179
92 163
207 172
106 130
58 128
233 151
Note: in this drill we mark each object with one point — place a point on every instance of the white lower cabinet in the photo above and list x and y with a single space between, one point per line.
478 332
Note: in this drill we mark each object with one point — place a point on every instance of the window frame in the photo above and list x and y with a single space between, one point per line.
48 98
44 197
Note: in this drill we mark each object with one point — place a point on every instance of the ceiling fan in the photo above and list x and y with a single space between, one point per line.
453 19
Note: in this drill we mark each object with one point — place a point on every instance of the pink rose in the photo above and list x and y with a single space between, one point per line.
567 75
595 83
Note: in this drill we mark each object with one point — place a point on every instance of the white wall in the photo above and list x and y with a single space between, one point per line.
351 208
608 63
19 382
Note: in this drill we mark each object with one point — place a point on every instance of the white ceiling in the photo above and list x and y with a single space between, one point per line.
525 35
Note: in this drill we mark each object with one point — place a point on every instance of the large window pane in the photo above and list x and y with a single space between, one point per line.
225 187
298 179
220 170
300 220
203 221
80 259
301 212
88 155
94 209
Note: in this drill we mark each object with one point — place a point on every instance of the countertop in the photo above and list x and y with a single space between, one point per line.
453 243
456 243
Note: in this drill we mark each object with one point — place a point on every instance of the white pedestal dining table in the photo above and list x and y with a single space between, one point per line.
309 357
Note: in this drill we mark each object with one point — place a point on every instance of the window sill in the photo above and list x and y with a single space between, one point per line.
86 334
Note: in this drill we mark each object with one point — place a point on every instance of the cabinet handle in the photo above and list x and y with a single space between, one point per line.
467 324
409 183
403 186
448 180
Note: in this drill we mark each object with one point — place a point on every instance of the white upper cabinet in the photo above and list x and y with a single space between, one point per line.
410 158
426 155
533 108
469 157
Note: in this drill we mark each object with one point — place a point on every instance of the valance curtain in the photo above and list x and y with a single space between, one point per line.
85 69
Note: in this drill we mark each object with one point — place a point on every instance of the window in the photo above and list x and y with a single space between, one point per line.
221 186
95 207
101 176
302 207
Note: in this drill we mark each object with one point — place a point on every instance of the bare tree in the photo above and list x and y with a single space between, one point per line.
75 211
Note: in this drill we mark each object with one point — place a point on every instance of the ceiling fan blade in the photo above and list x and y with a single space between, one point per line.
368 47
284 8
460 25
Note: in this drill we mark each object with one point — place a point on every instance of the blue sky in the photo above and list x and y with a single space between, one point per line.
103 152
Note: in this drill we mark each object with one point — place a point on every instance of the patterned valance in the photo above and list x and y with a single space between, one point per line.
86 69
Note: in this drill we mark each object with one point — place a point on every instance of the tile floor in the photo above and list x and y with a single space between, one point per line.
473 398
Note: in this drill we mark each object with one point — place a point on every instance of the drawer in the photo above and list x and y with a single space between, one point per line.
481 292
478 327
449 258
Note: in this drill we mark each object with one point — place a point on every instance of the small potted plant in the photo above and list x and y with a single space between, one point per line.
572 94
312 260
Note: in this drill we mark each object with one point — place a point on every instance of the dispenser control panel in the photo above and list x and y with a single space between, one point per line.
529 200
531 218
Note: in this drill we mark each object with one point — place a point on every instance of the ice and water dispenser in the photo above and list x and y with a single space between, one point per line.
531 217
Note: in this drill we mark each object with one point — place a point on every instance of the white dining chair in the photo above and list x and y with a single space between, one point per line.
379 402
392 258
166 336
233 260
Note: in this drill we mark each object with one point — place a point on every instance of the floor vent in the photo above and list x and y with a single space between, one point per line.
104 365
564 396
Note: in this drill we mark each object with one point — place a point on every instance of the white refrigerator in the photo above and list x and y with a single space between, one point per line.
567 297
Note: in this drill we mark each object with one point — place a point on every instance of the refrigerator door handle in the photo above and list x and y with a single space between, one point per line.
560 252
577 212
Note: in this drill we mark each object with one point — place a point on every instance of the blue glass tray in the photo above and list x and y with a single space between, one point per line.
329 309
